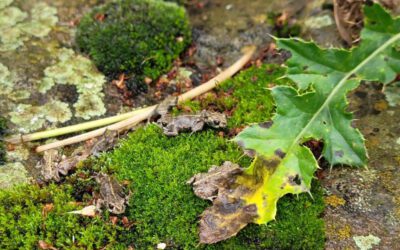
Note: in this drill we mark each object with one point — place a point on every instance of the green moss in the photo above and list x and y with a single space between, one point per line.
24 220
163 207
250 100
166 210
138 37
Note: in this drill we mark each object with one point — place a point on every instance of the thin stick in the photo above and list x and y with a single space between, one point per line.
73 128
144 114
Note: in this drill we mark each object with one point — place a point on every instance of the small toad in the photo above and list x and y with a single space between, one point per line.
172 126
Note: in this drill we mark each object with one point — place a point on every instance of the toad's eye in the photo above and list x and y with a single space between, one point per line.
216 122
164 123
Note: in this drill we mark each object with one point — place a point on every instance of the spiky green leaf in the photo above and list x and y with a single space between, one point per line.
317 110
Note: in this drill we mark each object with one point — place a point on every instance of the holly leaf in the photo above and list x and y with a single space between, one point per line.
316 110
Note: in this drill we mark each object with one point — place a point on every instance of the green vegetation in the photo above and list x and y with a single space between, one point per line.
163 207
30 213
166 210
319 114
250 100
138 37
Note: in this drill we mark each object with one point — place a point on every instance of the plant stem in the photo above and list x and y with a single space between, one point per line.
143 114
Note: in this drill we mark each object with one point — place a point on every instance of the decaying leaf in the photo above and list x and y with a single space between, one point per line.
229 213
89 211
164 107
206 185
349 19
45 246
112 195
316 110
103 143
54 164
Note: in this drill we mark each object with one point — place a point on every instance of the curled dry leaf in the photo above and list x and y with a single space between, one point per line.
46 209
228 214
103 143
89 211
54 164
45 246
112 195
349 19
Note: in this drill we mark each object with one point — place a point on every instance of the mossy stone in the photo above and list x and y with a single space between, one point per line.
138 37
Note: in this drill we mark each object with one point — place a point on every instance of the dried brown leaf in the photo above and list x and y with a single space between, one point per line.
89 211
45 246
349 19
112 195
228 214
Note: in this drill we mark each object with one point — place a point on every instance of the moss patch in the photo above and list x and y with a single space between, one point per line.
163 208
249 99
166 210
138 37
29 214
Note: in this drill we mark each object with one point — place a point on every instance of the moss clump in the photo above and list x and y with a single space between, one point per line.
137 37
166 210
30 213
250 100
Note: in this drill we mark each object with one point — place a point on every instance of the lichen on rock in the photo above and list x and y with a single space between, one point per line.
79 71
366 242
12 174
30 118
7 79
17 26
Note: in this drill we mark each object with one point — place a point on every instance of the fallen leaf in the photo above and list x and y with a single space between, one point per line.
89 211
46 209
112 195
45 246
228 214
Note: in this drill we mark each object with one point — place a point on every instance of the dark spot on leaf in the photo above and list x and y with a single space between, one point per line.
305 67
361 94
324 122
339 153
295 180
386 59
266 124
280 153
